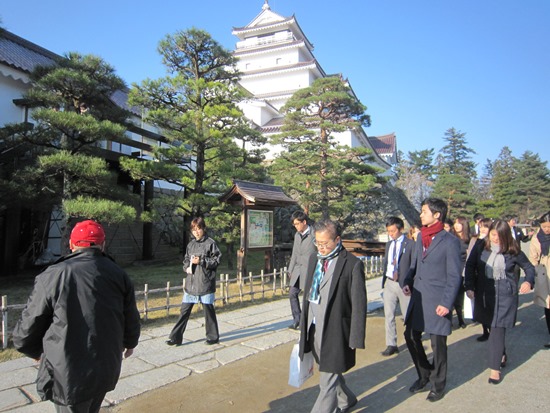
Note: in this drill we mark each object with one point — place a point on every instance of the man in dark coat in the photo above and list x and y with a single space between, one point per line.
334 317
433 283
303 251
395 268
80 319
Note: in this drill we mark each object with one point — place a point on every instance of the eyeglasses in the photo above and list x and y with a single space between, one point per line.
296 223
323 244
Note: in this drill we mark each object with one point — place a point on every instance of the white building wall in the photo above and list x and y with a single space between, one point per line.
10 89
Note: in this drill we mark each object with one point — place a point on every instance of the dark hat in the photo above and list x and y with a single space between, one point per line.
87 233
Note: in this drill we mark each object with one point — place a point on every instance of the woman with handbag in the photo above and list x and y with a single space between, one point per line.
540 258
490 279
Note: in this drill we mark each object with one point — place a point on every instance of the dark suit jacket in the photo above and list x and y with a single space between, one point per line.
403 260
434 279
519 235
345 315
300 260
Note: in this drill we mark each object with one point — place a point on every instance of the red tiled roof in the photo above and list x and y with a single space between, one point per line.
383 145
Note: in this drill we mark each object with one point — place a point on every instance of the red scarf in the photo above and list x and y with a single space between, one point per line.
429 232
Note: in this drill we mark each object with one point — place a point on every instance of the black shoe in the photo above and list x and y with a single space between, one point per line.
494 381
294 326
483 337
418 386
547 345
211 342
462 325
172 343
434 396
347 409
390 350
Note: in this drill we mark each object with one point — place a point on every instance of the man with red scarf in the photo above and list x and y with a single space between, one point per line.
432 282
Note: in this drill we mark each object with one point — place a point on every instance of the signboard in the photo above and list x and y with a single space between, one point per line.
260 228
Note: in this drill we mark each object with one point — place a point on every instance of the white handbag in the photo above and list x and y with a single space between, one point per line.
299 370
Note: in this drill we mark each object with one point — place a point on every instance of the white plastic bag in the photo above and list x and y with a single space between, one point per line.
299 370
468 308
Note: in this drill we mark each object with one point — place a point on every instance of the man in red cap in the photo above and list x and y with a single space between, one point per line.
79 320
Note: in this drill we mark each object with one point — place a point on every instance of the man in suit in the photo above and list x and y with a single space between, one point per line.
396 264
334 317
433 283
474 231
517 233
303 251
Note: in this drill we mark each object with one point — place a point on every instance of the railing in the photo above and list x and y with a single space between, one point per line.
255 286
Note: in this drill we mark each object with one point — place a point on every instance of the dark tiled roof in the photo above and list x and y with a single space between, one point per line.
383 145
273 126
22 54
257 194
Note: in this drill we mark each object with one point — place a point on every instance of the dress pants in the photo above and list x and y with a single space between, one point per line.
295 303
333 392
393 294
211 322
87 406
435 372
497 347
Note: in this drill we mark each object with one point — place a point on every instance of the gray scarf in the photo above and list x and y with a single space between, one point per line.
496 267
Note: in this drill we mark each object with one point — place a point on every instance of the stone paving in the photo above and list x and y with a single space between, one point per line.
243 332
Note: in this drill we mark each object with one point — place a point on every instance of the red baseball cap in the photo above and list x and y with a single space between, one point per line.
87 233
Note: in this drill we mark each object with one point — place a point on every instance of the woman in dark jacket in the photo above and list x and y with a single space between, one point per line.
490 279
462 230
202 257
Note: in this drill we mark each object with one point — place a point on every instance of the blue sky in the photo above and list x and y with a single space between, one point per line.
421 67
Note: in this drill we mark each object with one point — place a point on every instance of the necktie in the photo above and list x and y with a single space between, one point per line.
394 261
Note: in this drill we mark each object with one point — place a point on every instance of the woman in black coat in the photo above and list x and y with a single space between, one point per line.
462 230
490 279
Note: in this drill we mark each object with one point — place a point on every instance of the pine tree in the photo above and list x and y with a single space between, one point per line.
455 174
531 186
328 179
195 108
502 184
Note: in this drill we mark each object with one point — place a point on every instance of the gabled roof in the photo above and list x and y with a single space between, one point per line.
383 145
255 193
23 55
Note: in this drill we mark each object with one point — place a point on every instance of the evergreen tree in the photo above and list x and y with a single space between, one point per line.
327 179
502 185
196 110
422 162
412 178
455 174
531 186
58 157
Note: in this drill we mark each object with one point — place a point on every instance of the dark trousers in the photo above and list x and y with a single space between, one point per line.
295 303
87 406
212 332
436 371
547 316
496 347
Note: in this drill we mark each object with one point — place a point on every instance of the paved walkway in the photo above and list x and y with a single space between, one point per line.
243 332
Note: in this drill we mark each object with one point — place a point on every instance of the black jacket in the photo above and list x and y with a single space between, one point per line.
80 317
203 279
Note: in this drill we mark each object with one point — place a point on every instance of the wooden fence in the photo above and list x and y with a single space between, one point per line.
228 290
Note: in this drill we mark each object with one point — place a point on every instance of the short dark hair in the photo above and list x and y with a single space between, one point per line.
485 223
398 222
478 216
198 223
437 205
508 217
299 215
328 225
544 218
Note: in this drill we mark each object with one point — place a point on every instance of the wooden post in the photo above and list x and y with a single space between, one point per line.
4 322
168 299
240 281
145 306
251 286
262 283
241 254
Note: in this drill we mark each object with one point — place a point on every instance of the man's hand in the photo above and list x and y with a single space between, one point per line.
128 352
441 311
470 294
406 290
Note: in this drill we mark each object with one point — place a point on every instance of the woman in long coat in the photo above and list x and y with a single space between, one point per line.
540 257
491 281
